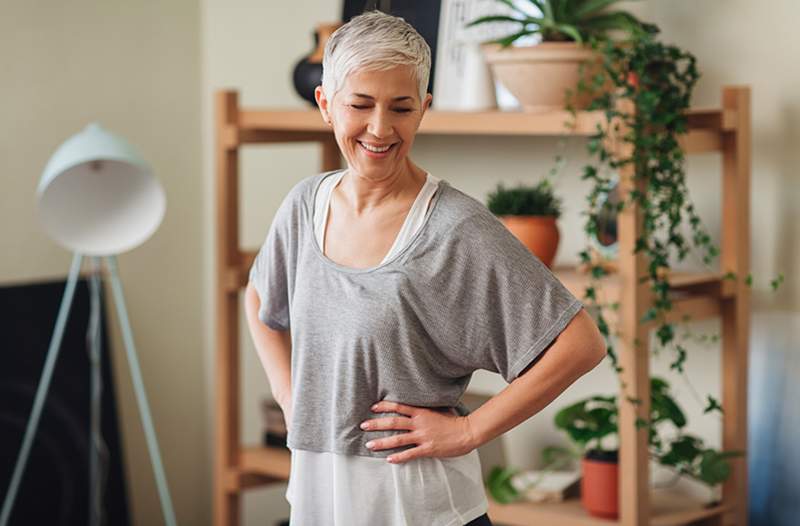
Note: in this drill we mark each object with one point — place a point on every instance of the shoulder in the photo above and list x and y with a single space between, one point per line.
301 195
303 190
464 216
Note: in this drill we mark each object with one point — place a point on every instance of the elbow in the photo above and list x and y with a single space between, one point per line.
599 350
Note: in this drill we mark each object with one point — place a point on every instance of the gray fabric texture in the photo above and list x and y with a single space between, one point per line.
464 294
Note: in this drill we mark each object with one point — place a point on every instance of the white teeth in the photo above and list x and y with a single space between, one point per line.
375 149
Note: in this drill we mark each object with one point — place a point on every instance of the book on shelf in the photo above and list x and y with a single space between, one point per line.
274 423
547 486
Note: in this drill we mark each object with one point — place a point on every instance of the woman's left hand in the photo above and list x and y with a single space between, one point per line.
436 434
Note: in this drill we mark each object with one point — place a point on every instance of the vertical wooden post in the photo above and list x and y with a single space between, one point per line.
331 158
226 501
634 467
735 257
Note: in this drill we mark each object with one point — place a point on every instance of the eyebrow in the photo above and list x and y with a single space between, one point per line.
370 97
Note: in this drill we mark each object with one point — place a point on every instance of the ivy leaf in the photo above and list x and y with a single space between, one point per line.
713 405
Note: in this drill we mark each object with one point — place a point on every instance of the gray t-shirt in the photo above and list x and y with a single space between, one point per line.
464 294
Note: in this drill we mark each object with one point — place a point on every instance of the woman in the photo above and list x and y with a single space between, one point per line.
378 292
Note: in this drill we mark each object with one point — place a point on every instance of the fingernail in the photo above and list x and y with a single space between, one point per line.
364 425
374 407
390 459
369 445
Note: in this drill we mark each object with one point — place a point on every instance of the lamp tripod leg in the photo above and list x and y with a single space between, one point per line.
141 397
98 452
41 391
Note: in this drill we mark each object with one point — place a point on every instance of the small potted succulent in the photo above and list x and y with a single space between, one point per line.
530 213
541 76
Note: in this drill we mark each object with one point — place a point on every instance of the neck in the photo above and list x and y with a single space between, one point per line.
364 194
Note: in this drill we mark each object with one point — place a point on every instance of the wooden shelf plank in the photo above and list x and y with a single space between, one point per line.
269 461
668 508
706 122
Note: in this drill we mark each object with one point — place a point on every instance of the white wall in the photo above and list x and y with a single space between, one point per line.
135 68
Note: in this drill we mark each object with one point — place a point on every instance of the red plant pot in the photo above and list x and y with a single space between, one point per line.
599 485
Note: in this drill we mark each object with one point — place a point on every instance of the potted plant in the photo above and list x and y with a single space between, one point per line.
540 75
530 213
588 422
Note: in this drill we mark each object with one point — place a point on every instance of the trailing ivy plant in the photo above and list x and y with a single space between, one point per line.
657 80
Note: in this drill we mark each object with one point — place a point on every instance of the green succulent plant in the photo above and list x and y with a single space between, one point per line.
565 20
539 200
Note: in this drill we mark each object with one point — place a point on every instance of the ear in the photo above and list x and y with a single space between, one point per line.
427 102
322 102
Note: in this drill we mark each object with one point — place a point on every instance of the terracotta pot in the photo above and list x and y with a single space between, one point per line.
600 485
538 76
538 233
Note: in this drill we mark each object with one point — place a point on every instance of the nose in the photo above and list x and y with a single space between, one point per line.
380 124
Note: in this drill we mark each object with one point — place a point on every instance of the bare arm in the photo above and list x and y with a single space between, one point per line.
576 351
274 350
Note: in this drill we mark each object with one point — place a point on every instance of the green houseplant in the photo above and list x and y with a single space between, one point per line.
588 422
592 423
530 213
538 75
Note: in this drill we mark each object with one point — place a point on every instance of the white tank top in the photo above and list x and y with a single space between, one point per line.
350 490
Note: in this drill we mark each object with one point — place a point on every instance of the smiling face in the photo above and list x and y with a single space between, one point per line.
375 116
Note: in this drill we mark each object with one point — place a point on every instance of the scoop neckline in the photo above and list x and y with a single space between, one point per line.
352 270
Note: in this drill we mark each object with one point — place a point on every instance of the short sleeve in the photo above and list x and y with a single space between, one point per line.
514 306
271 271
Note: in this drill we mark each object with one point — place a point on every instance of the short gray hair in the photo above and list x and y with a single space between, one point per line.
374 41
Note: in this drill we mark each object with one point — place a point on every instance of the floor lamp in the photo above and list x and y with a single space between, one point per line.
98 198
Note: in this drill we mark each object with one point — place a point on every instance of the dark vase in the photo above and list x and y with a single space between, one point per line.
308 71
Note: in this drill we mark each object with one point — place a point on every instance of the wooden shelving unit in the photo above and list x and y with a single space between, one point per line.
701 295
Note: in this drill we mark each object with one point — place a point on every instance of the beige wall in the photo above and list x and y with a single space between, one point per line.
135 68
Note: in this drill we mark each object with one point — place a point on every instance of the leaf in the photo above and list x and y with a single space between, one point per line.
539 4
508 40
547 10
592 6
571 31
494 18
714 469
775 283
713 405
608 21
499 485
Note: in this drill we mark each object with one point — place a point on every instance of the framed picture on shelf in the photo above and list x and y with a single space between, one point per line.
423 15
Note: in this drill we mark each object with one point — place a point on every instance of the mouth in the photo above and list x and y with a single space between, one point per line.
377 150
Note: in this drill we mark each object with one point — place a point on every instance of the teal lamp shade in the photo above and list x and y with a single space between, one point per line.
97 196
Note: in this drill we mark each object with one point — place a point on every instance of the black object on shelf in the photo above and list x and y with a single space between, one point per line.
423 15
